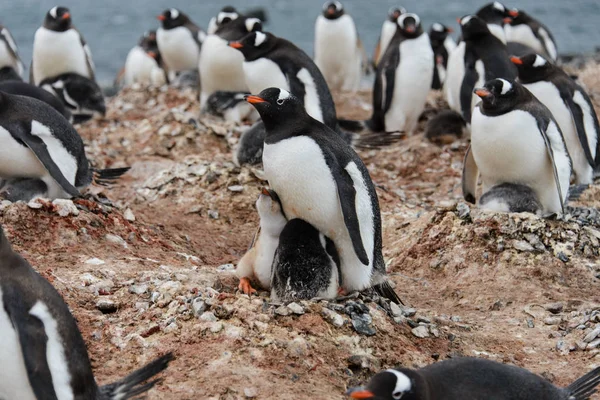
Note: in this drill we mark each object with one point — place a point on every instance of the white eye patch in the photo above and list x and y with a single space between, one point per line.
437 27
506 86
223 15
53 11
251 23
403 383
499 6
539 61
260 39
174 13
466 20
283 95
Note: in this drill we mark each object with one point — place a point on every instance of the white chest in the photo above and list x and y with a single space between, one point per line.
7 59
335 40
523 34
178 48
262 74
55 53
455 74
221 67
139 67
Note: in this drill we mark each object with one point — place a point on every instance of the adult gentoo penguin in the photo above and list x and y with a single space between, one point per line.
338 51
571 107
471 378
82 96
494 15
58 48
524 29
226 15
305 264
143 64
42 344
388 29
9 56
442 45
258 260
515 139
29 90
403 78
40 145
320 179
179 41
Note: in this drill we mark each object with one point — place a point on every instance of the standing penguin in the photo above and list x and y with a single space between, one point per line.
403 78
338 51
515 139
524 29
442 45
571 107
58 48
179 41
10 62
39 144
494 15
144 63
388 29
320 179
42 344
471 378
226 15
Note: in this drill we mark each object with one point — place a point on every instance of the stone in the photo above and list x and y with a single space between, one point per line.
593 345
199 306
208 317
552 320
332 317
115 239
463 210
88 279
216 327
236 188
65 207
592 335
395 309
250 392
94 261
226 268
172 327
296 308
283 310
420 332
554 308
128 215
138 289
106 306
362 324
522 245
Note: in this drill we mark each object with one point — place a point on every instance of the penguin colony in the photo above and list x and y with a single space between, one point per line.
533 132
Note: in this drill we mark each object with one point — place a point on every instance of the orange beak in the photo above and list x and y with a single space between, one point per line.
513 13
331 11
483 93
236 45
516 60
66 16
161 17
265 191
410 29
507 20
152 54
458 19
450 30
362 394
254 99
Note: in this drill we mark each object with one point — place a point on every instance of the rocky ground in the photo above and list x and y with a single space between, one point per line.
147 266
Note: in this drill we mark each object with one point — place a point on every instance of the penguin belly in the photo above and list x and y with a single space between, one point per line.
7 60
523 34
296 169
263 262
221 68
388 30
139 67
56 53
411 85
510 149
262 74
14 381
548 94
178 48
455 73
336 52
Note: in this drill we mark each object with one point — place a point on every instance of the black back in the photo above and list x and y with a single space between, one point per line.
29 90
58 19
173 18
85 92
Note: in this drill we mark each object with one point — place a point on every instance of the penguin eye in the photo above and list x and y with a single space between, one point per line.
397 395
280 101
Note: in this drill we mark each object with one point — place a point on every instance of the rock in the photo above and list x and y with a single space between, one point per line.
223 312
522 245
332 317
554 308
363 361
213 214
94 261
34 203
65 207
420 332
552 320
106 306
296 308
409 312
216 327
593 344
362 324
463 210
226 268
170 287
236 188
208 317
116 239
128 215
88 279
395 309
592 335
138 289
283 310
172 327
563 347
250 392
199 306
562 256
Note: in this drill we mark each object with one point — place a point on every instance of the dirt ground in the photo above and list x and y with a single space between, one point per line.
150 270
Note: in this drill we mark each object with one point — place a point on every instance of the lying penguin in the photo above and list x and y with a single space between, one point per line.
43 346
29 90
82 96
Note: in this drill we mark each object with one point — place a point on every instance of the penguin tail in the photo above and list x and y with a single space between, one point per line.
133 384
377 140
106 176
445 127
585 386
352 125
576 191
386 290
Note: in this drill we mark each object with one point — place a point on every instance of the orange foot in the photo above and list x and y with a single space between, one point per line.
341 292
246 287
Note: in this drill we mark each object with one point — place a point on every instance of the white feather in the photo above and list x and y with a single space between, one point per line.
498 31
7 48
495 205
403 382
311 98
548 44
523 34
53 11
259 39
174 13
179 50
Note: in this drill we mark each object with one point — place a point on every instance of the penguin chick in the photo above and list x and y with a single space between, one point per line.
258 260
42 344
82 96
511 197
144 63
302 267
445 127
229 105
474 379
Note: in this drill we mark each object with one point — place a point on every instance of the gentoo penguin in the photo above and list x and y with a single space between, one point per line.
39 143
482 57
522 28
302 268
226 15
571 107
442 45
515 139
144 63
42 344
9 54
58 48
249 148
471 378
179 41
510 197
388 29
338 51
320 179
445 127
494 15
29 90
258 260
403 78
80 95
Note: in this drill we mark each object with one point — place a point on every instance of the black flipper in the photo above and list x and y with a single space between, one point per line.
38 147
386 290
543 125
106 176
467 86
585 386
577 115
383 90
469 177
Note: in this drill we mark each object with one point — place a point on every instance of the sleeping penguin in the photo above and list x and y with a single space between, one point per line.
43 347
511 198
11 66
80 95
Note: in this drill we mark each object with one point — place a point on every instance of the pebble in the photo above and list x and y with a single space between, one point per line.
592 335
106 306
216 327
362 324
65 207
199 306
208 317
236 188
95 261
88 279
332 317
172 327
562 257
250 392
128 215
226 268
213 214
116 239
283 310
464 211
138 289
552 320
593 344
522 245
563 347
395 309
34 204
420 332
296 308
554 308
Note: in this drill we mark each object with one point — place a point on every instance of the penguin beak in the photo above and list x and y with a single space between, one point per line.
161 17
66 16
236 45
152 54
516 60
507 20
513 13
265 191
449 30
331 10
410 28
254 99
360 393
483 93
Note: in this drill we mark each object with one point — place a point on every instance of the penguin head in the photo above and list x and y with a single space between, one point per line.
333 9
394 13
493 13
254 45
438 32
410 25
172 18
532 67
517 17
472 26
499 96
270 211
240 27
277 107
392 384
58 19
149 45
226 15
81 95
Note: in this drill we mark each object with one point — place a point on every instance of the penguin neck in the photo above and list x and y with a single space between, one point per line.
283 128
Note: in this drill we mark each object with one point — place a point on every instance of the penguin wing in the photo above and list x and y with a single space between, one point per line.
88 56
469 177
197 34
12 47
468 83
583 130
383 91
543 125
39 148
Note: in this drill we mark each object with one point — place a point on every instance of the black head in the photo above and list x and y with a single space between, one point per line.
499 96
439 32
149 45
533 67
172 18
255 45
81 95
395 12
58 19
392 384
239 28
333 9
473 27
277 107
410 25
517 17
493 13
226 15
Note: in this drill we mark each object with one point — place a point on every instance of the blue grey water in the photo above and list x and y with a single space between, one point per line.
112 27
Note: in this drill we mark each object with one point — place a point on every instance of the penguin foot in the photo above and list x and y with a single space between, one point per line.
246 287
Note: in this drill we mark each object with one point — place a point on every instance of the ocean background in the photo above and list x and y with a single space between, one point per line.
112 27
